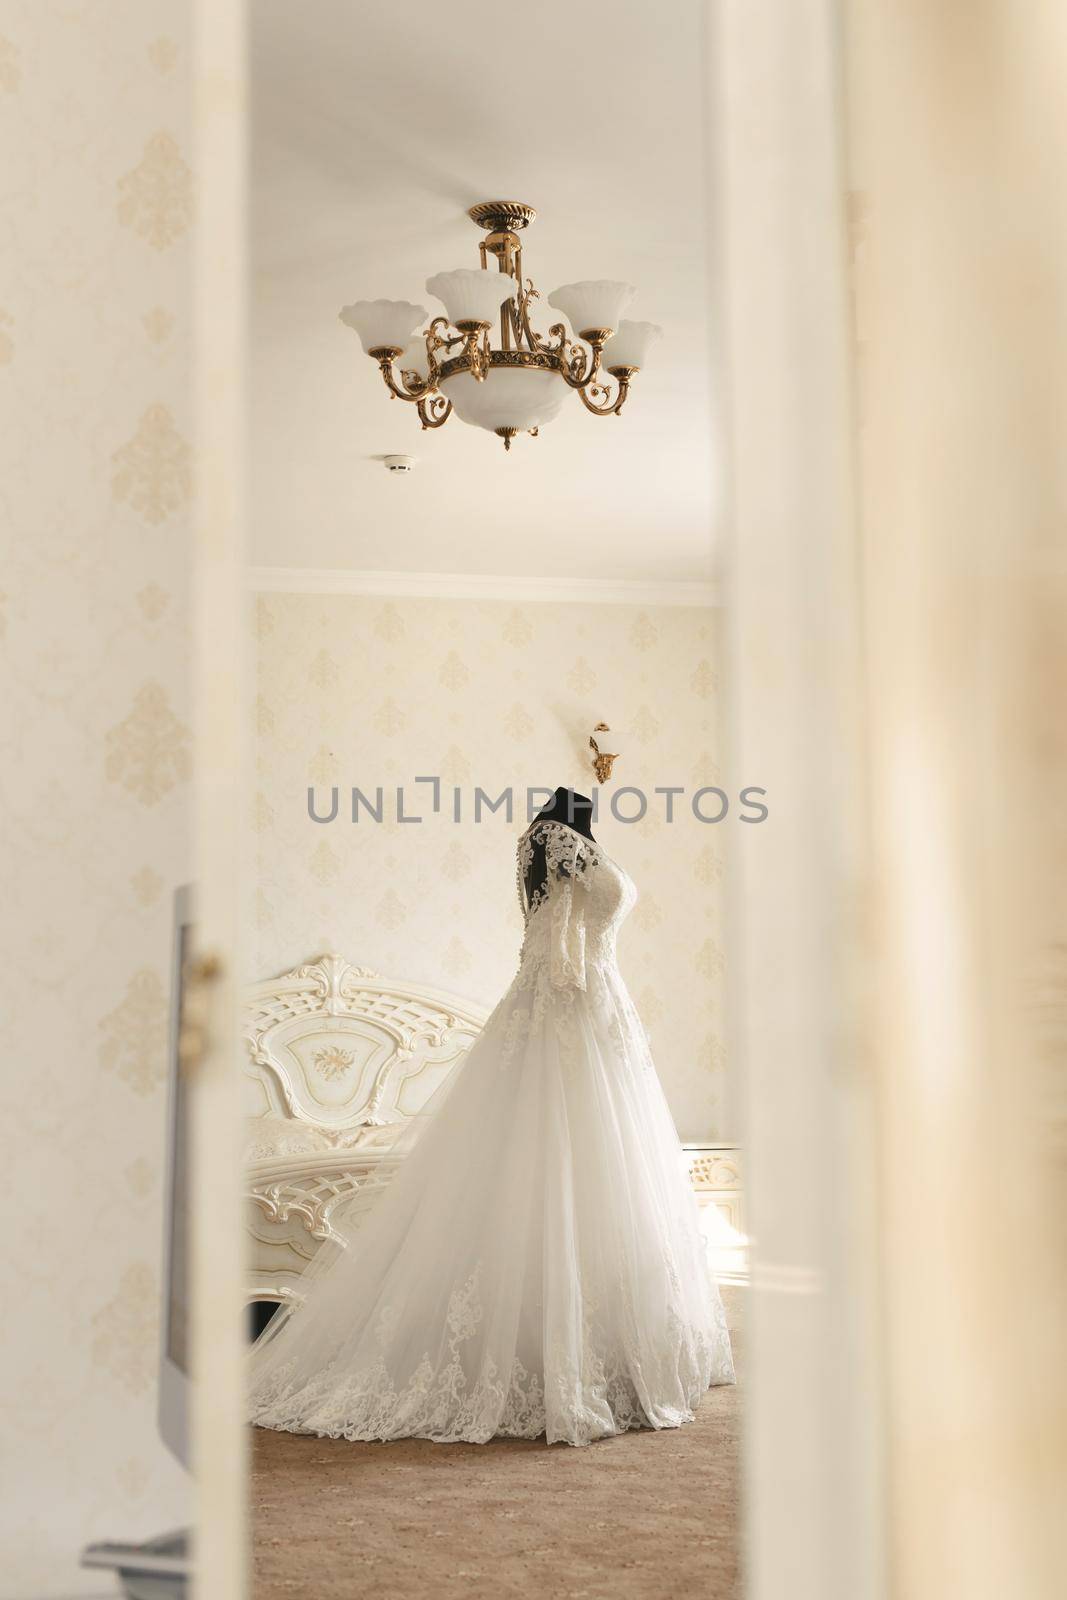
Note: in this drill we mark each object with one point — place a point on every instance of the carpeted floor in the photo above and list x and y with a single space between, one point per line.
647 1514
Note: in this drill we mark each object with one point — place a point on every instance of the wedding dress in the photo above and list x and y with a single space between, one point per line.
536 1265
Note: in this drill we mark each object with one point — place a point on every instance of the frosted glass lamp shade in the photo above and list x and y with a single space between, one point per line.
382 323
470 295
629 345
509 397
597 303
414 359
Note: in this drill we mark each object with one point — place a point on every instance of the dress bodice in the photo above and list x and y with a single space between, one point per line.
571 923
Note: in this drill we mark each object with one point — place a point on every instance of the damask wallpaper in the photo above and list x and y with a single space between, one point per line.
373 693
98 198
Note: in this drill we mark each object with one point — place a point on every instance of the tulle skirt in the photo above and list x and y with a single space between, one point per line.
535 1267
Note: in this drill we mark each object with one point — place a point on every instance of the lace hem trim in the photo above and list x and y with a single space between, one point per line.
591 1395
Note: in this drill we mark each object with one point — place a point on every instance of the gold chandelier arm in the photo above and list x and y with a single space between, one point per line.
534 340
434 410
579 376
436 340
411 386
538 342
405 390
604 408
476 349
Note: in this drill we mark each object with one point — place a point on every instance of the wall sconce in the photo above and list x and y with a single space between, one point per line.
603 760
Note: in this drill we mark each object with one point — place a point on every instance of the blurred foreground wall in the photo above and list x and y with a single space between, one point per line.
897 361
956 150
95 485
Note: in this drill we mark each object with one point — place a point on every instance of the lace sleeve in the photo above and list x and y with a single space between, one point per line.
570 862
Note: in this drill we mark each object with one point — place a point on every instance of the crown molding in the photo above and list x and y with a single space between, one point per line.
480 586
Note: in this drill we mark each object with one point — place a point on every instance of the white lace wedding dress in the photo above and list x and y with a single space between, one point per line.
536 1266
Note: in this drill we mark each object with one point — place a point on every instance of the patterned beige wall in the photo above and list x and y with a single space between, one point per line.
98 200
372 692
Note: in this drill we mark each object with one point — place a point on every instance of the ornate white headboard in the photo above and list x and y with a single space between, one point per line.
339 1060
335 1051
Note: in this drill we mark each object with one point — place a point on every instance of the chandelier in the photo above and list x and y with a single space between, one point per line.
518 385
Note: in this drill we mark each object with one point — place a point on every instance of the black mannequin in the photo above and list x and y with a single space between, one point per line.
574 811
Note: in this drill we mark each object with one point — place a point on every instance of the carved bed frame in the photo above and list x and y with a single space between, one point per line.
339 1060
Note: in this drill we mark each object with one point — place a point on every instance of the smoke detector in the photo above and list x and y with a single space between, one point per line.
399 463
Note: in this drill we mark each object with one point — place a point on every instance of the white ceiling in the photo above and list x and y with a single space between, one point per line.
375 125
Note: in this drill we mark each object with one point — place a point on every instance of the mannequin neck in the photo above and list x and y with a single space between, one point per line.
575 810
